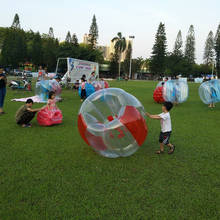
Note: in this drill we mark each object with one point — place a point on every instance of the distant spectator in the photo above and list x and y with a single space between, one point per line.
3 82
92 78
41 74
76 85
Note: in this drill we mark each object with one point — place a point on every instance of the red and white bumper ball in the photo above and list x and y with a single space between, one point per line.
112 122
48 117
100 85
158 93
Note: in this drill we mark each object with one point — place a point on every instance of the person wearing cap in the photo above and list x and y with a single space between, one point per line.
3 82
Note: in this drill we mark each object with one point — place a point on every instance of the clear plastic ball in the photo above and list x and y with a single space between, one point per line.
209 91
175 91
112 122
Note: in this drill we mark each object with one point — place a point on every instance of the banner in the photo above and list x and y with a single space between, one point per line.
78 68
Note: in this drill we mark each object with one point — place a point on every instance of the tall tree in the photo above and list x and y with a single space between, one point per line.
126 64
74 40
208 56
14 48
16 22
190 46
51 33
93 33
114 59
178 45
119 46
68 37
217 50
158 58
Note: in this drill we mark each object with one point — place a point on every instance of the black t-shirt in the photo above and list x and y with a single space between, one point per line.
2 81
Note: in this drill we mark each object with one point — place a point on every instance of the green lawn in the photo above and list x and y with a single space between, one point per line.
50 173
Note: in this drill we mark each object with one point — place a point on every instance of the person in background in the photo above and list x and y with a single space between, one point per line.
41 74
83 89
92 78
76 85
3 82
25 114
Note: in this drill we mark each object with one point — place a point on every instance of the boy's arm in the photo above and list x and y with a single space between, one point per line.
34 110
153 116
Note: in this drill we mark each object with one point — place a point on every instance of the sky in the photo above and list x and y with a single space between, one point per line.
140 18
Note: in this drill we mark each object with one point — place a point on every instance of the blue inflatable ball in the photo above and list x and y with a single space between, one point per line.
209 91
175 91
89 89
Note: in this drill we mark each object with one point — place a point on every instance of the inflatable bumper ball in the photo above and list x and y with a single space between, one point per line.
43 88
209 91
46 117
175 91
90 89
100 85
112 122
158 94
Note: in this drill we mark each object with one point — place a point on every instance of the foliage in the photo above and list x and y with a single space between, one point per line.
217 50
126 63
16 22
114 60
68 37
177 51
158 58
209 49
14 48
74 40
120 46
190 46
93 33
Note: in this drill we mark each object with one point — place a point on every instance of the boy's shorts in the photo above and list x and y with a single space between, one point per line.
165 137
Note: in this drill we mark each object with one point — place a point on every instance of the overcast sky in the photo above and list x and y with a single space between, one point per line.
139 18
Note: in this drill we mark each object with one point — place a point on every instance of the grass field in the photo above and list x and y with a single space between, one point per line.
50 173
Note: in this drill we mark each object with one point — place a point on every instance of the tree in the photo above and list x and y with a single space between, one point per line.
37 52
68 37
190 46
126 64
114 60
14 48
93 33
178 45
50 48
208 56
217 50
51 34
158 58
120 46
16 22
74 40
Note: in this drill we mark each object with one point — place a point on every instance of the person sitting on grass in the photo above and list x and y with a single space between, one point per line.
166 127
25 114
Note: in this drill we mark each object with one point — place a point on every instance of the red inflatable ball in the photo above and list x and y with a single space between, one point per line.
158 95
48 117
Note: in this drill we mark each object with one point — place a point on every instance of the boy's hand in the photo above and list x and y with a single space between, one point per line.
148 114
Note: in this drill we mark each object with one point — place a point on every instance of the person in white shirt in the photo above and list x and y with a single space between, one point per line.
166 127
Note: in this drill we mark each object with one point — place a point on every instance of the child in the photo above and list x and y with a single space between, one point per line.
50 114
166 127
25 114
51 103
83 89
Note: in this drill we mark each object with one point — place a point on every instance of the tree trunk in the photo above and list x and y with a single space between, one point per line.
119 66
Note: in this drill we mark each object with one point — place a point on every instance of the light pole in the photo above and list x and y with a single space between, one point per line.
131 37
